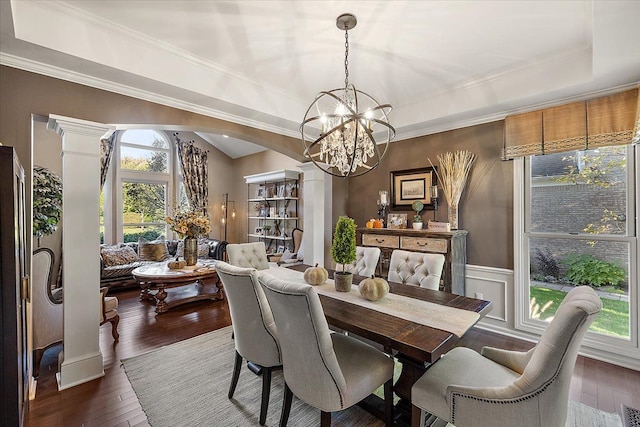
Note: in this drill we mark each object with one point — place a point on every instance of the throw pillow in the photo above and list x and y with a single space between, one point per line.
155 250
116 255
286 255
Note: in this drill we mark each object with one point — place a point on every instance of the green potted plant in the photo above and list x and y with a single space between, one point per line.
47 201
343 251
417 206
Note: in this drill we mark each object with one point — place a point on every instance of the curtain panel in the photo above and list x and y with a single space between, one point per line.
598 122
195 173
106 152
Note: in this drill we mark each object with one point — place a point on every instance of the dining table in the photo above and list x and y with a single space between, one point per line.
415 325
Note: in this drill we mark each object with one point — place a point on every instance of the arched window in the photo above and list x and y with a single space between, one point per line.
145 183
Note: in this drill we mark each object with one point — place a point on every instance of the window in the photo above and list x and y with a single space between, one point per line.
145 183
578 228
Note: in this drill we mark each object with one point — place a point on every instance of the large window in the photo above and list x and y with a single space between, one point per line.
145 185
579 229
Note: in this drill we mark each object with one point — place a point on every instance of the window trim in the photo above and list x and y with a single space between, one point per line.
521 220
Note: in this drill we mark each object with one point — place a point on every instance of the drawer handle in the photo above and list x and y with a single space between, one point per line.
379 241
421 244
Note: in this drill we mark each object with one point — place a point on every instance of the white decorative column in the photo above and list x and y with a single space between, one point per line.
81 359
317 193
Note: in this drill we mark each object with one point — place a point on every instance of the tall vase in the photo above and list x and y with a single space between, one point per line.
453 216
191 250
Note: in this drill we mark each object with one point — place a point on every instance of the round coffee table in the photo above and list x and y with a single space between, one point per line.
169 288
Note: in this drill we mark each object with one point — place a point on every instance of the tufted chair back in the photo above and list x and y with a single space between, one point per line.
416 268
248 255
365 263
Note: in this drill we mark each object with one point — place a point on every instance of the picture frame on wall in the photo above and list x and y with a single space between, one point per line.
257 230
410 185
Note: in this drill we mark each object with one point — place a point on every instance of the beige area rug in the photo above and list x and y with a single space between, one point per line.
186 384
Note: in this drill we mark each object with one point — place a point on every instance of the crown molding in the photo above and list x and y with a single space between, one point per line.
98 83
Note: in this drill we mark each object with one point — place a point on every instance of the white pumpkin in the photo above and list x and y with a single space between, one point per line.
374 289
316 275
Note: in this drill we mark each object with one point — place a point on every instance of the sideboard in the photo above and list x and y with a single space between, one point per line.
451 244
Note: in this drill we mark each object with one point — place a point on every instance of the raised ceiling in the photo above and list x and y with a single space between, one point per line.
441 64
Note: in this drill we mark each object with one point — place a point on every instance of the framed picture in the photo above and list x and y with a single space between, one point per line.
280 249
397 221
263 211
257 230
281 190
282 212
410 185
260 193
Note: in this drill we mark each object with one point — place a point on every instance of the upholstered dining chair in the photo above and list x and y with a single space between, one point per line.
365 263
47 310
254 330
297 254
248 255
509 388
329 371
109 312
416 268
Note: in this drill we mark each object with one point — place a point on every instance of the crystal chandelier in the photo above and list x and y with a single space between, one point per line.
338 127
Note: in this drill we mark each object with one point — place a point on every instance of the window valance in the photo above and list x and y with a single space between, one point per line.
598 122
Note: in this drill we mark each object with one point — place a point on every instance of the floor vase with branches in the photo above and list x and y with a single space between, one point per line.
452 176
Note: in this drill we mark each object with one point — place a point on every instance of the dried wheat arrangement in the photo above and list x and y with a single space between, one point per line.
452 177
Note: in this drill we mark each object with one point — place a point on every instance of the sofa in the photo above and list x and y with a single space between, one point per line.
119 260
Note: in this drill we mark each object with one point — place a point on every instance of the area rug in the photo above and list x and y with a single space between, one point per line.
186 384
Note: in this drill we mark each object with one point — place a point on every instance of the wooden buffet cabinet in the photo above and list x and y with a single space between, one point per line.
452 244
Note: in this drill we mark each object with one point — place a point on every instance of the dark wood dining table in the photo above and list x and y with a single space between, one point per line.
414 345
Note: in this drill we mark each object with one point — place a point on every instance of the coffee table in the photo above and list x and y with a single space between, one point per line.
169 288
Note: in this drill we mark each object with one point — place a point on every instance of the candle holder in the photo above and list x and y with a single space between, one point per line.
383 205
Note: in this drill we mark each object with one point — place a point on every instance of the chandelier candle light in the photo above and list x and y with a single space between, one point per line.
454 169
338 128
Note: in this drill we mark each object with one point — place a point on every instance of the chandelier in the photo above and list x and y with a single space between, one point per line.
338 127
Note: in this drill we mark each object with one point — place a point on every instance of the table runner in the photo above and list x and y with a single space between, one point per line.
450 319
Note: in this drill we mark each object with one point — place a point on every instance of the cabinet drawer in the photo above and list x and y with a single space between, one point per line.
424 244
380 240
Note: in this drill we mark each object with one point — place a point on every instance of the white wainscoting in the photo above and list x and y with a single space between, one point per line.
492 284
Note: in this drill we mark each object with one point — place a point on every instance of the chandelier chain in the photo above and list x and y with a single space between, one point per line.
346 57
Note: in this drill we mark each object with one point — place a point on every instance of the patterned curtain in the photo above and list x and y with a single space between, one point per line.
106 151
195 172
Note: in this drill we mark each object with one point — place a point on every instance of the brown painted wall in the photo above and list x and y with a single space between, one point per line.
23 93
486 207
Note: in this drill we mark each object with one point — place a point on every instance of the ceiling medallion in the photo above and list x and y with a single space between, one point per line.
339 126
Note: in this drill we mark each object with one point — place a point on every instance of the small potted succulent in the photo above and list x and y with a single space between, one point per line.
343 251
417 206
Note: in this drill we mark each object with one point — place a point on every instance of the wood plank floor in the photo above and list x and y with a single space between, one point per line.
110 400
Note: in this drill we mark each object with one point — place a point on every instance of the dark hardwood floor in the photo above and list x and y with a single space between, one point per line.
110 400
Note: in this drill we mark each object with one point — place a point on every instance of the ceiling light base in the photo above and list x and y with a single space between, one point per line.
346 21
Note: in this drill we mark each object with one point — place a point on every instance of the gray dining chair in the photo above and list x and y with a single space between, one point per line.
248 255
365 263
416 268
501 388
254 330
329 371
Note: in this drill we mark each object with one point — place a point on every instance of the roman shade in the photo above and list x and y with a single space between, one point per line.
598 122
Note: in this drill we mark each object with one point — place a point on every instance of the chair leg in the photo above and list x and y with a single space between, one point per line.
236 374
325 419
388 402
286 406
37 357
415 416
266 389
114 327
